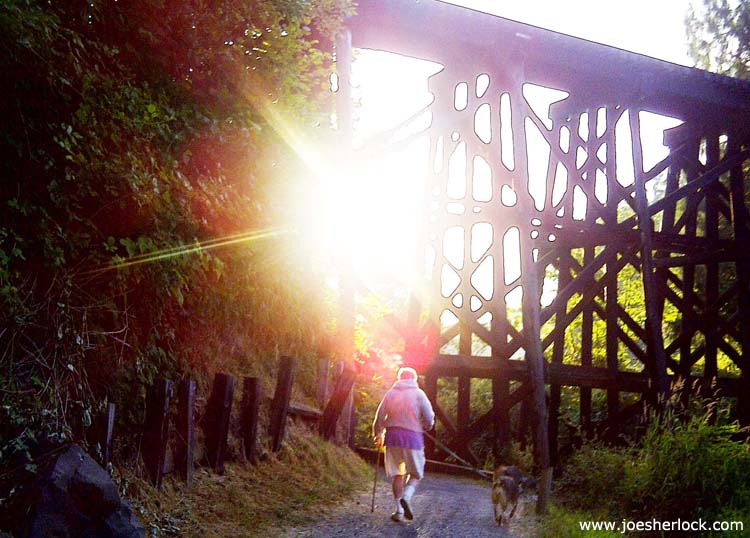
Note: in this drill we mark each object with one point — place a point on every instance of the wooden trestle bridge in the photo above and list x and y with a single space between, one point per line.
565 197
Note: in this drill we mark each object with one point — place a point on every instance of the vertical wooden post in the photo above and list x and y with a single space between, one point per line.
741 227
558 355
324 367
156 431
280 405
587 338
185 429
343 429
352 426
218 414
655 338
463 404
333 409
501 425
249 417
107 431
710 369
531 307
430 389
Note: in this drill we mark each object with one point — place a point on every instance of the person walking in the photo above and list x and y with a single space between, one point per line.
403 414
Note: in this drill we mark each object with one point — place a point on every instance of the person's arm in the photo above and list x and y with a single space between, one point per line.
427 414
378 425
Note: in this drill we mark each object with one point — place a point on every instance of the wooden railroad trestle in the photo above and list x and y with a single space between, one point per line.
575 237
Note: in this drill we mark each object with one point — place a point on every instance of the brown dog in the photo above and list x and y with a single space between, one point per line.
505 492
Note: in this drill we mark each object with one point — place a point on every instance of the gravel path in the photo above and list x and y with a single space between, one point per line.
444 506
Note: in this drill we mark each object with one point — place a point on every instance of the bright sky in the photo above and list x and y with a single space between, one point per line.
652 27
382 202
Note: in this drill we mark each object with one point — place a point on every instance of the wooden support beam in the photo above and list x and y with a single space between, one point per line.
463 403
185 446
560 374
281 399
218 414
587 344
430 389
501 412
156 430
741 228
251 396
652 299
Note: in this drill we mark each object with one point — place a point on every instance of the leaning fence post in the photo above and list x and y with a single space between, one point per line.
156 428
185 429
280 404
335 405
324 367
217 420
249 417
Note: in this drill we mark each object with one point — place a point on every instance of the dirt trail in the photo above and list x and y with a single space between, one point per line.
444 506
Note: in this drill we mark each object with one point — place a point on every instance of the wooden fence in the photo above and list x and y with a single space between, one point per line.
333 405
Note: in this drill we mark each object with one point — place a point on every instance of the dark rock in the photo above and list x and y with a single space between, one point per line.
75 497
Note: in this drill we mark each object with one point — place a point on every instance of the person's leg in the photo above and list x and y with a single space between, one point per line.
397 484
395 469
411 485
415 461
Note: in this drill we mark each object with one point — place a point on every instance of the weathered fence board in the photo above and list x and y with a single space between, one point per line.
280 405
336 404
184 448
251 395
156 430
216 424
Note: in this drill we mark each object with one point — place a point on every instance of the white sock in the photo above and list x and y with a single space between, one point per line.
399 508
410 487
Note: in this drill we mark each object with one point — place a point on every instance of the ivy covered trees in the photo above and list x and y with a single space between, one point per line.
145 158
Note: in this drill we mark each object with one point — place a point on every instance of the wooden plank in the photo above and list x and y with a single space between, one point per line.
156 430
218 413
333 409
251 395
281 399
185 445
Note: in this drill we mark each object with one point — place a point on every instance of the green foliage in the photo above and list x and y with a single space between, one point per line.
680 470
135 135
719 36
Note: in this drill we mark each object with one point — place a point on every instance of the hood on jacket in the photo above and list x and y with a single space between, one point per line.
402 384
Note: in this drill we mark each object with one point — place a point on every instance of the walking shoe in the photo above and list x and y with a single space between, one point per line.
397 516
407 509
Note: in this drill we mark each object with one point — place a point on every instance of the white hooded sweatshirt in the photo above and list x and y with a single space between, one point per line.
405 406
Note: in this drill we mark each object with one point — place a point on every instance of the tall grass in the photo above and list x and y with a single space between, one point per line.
689 470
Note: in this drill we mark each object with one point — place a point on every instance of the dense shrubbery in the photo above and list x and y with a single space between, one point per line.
681 469
131 129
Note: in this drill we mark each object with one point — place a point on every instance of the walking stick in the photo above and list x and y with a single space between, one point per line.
375 482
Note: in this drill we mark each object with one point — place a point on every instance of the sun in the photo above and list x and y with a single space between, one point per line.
366 209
